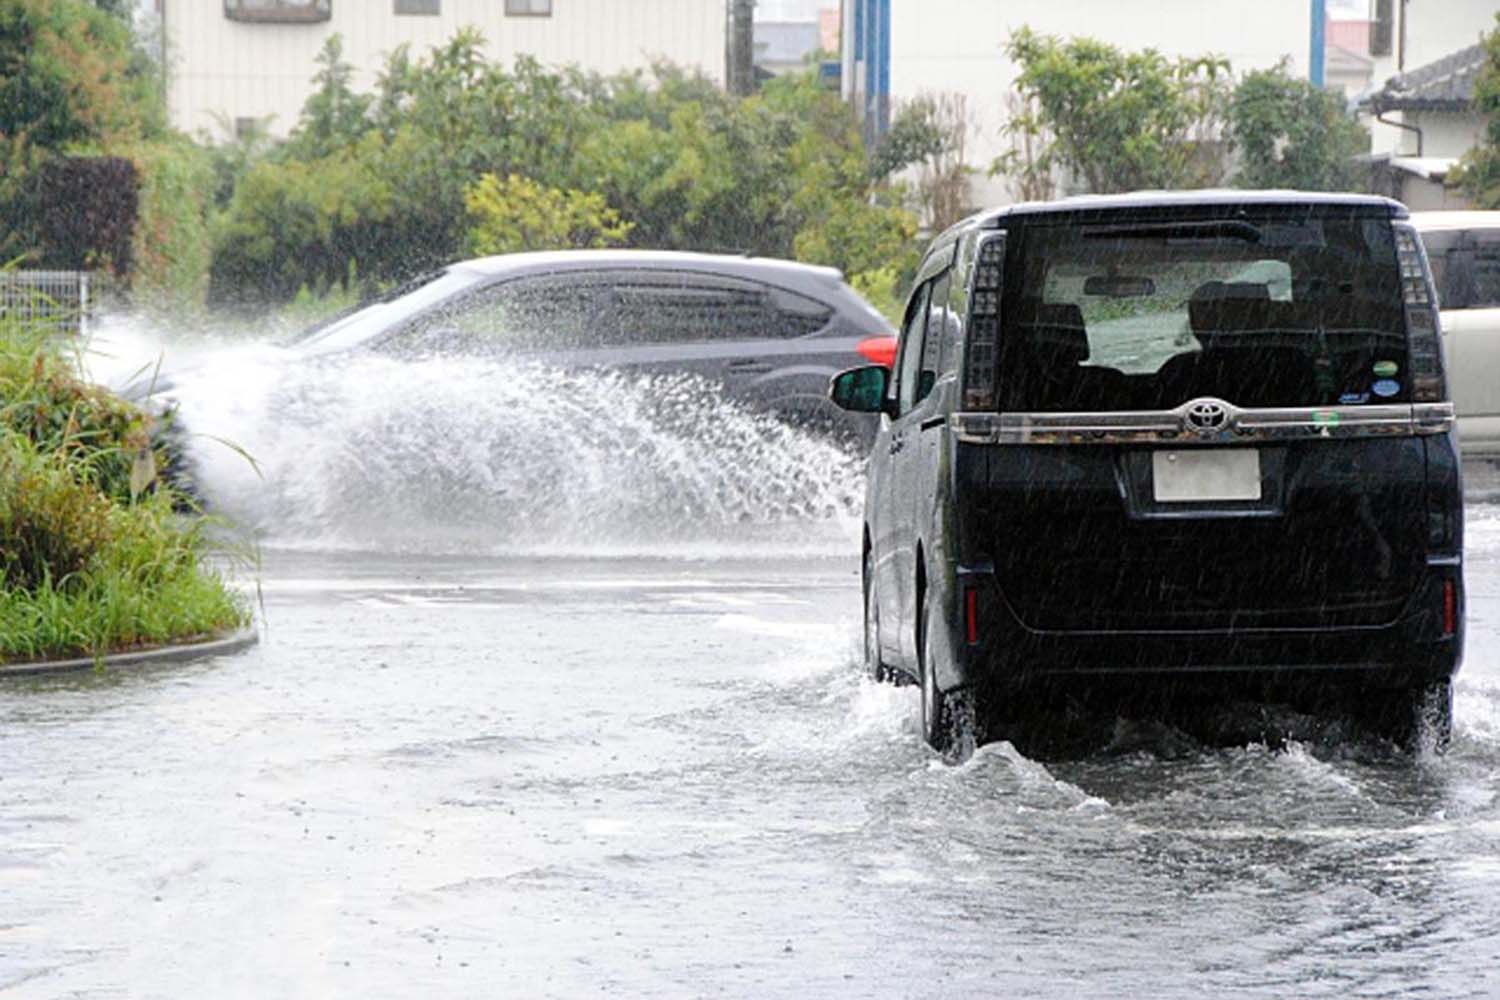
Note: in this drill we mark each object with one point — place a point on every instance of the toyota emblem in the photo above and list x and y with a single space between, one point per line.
1205 416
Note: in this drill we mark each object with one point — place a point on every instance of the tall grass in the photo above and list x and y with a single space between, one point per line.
95 553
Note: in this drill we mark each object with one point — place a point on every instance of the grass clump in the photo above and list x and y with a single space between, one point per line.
95 554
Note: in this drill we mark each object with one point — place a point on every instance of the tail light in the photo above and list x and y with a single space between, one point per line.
878 350
1423 334
1450 607
971 615
983 335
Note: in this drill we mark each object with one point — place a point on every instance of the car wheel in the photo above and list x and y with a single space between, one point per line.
1429 716
949 719
1418 718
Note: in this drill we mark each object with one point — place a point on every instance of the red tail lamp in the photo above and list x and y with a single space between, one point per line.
879 350
971 615
1450 608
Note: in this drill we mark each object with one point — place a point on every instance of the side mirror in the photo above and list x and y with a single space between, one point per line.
860 390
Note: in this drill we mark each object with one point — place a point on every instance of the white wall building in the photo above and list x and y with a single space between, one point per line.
236 61
1425 33
959 46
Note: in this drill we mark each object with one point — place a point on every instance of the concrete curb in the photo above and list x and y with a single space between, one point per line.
232 643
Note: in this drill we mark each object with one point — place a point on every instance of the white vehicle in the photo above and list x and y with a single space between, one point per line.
1464 250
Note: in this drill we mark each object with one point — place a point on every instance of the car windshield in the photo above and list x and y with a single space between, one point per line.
389 311
1295 310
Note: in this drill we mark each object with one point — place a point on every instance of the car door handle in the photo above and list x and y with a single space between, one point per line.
747 366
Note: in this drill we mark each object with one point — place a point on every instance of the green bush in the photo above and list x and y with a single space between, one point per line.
173 238
108 440
91 561
517 213
394 181
51 524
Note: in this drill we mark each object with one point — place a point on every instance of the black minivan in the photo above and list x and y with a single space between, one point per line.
1164 439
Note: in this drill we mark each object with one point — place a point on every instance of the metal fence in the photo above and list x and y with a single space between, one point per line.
61 300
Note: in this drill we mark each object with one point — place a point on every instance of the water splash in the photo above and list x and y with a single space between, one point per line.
458 455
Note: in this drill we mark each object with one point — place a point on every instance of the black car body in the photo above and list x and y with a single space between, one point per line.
1162 440
771 332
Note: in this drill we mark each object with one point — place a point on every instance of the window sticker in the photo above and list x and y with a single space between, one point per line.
1385 369
1354 397
1386 387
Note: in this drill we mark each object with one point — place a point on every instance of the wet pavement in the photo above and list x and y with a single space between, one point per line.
558 776
557 696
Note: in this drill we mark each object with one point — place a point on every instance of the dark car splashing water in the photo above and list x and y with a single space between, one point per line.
445 454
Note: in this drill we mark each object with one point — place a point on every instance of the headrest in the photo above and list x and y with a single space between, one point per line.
1055 331
1219 308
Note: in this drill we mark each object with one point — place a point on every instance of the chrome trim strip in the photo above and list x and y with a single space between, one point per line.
1163 426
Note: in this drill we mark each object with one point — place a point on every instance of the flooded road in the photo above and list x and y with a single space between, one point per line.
554 777
515 735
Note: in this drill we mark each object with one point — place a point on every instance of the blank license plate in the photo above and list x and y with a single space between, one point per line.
1205 474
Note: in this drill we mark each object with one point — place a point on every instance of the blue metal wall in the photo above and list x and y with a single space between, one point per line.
872 48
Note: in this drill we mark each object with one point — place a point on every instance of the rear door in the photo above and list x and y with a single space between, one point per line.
1179 398
730 329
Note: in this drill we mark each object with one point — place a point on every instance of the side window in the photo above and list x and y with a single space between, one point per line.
797 315
521 315
1486 273
1439 246
932 343
683 307
911 347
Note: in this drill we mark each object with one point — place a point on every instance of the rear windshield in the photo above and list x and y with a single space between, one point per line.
1294 310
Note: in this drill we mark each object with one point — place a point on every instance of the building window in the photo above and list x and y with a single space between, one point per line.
431 7
278 11
528 8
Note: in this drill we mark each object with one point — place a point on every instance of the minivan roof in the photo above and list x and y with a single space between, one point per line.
1183 200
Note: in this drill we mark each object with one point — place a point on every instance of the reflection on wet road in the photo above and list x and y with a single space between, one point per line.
551 777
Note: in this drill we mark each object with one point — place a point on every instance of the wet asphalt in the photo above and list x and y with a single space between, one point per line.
450 776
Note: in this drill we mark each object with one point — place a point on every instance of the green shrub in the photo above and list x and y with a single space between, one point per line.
108 440
149 579
173 239
51 524
516 213
91 561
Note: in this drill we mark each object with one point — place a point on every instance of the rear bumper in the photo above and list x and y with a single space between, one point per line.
1416 646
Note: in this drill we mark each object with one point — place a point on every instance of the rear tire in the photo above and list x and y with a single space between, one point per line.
1430 715
949 718
1419 718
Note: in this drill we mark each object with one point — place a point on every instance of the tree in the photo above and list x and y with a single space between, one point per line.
453 154
517 214
1028 161
334 116
70 83
930 135
1479 170
1121 121
1291 134
69 75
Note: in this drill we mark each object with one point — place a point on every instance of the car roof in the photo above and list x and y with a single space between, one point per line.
1432 221
545 261
1135 201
